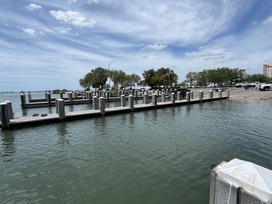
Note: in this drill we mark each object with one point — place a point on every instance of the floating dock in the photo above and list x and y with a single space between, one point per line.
8 122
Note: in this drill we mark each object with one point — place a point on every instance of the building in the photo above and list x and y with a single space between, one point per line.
267 70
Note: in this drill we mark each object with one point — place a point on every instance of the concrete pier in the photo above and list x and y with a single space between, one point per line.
8 122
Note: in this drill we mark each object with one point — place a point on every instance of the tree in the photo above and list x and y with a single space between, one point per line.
161 77
97 78
191 77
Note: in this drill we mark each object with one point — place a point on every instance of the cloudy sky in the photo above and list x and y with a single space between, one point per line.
52 44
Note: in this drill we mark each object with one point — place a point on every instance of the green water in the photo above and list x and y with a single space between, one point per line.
151 157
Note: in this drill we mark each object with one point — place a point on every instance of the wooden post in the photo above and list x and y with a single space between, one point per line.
102 105
154 100
211 94
123 100
179 96
131 102
23 100
61 109
95 103
4 115
188 97
10 111
173 98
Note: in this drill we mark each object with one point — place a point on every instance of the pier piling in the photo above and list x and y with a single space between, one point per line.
61 109
102 105
173 98
211 94
95 103
4 115
131 102
123 100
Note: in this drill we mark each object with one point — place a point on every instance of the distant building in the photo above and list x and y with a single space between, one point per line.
267 70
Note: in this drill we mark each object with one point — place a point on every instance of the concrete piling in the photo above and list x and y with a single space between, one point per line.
192 94
211 94
102 105
220 94
95 103
48 98
154 100
145 98
70 97
201 94
60 108
173 98
131 102
9 109
23 100
188 96
179 96
163 97
4 115
123 100
29 97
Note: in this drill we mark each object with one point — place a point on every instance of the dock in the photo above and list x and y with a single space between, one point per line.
127 105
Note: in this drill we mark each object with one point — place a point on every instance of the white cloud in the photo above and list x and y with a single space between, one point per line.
156 46
72 17
33 7
268 20
30 31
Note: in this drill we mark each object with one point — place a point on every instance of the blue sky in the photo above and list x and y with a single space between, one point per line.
52 44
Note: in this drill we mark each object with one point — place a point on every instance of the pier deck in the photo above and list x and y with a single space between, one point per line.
52 118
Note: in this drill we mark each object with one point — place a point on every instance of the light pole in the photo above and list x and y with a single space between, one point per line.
109 71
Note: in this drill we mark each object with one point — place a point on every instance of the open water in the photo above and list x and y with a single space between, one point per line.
151 157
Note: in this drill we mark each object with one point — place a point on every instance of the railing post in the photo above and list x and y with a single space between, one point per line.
95 103
102 105
4 115
131 102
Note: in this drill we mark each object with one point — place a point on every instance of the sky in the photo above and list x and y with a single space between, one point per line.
51 44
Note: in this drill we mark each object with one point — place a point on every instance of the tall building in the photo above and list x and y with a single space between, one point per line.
267 70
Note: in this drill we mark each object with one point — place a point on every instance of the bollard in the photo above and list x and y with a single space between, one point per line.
102 105
29 97
123 100
95 103
57 105
4 115
220 94
89 96
173 98
23 100
179 96
163 97
60 108
188 97
211 94
10 111
131 102
201 95
145 98
154 100
192 94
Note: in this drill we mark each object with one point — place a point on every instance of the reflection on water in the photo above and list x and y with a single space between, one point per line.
8 146
149 157
63 133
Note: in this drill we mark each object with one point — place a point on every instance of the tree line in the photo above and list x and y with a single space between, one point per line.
165 77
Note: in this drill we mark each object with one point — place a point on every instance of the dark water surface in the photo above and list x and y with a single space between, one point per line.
151 157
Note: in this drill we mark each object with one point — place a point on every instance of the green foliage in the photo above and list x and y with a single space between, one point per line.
258 77
162 77
97 78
